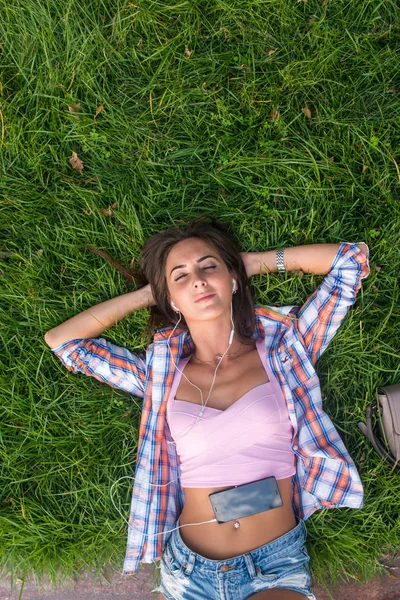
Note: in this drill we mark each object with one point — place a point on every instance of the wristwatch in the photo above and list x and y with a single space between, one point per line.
279 260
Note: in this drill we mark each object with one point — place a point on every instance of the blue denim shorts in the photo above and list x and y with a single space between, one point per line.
282 563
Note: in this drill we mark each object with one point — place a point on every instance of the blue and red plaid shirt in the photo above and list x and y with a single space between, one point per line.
295 337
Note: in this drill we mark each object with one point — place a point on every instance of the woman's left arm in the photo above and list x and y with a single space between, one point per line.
312 258
344 265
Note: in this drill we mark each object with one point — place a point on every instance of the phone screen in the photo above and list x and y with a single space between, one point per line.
245 500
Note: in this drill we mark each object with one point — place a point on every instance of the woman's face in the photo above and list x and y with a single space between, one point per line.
190 276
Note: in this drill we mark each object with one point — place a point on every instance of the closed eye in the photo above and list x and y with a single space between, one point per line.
212 267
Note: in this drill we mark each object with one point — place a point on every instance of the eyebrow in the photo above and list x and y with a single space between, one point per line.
199 260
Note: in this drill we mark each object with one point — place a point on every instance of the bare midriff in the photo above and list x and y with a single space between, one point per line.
219 541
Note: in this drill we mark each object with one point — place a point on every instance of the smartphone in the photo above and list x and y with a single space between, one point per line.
246 499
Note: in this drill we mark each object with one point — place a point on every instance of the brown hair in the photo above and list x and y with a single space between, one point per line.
152 261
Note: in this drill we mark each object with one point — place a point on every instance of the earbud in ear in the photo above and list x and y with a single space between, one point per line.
233 286
174 306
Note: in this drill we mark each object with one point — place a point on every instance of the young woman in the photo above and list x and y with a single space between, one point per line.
230 397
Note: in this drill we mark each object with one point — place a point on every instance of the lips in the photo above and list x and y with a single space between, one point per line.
203 298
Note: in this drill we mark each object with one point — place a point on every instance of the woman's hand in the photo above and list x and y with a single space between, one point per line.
248 260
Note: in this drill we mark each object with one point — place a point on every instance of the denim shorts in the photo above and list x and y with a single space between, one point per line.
282 563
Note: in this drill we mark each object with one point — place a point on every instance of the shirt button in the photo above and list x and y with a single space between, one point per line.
295 447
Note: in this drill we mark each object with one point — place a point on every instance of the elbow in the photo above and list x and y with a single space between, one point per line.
48 340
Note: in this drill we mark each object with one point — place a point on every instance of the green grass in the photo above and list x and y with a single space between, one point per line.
188 90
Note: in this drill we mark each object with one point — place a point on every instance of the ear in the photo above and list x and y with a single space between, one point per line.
235 276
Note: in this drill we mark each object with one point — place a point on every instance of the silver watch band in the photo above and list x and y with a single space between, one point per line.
279 260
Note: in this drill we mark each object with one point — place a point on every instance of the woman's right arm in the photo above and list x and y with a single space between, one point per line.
92 322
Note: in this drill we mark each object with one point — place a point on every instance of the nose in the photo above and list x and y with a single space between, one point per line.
199 281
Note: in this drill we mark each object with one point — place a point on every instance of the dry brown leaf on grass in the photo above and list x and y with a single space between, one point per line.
274 115
76 162
307 111
74 109
364 168
100 107
107 211
188 52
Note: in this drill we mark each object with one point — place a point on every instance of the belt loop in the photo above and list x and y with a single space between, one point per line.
250 565
189 565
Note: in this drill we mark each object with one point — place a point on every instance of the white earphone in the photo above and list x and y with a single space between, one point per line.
174 306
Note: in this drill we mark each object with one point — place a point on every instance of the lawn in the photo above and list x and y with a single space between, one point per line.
120 119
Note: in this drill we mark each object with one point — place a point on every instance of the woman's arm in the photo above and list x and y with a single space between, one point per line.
92 322
313 258
321 315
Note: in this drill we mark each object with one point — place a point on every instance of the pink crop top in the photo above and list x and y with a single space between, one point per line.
250 440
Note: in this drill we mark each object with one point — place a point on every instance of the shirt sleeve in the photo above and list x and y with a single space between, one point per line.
322 314
103 360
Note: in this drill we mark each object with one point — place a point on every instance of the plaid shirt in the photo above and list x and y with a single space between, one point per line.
295 337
